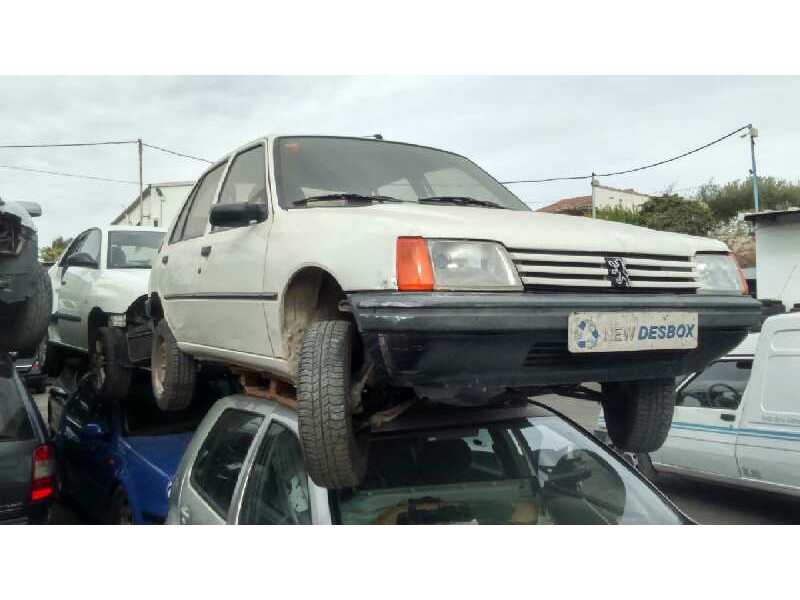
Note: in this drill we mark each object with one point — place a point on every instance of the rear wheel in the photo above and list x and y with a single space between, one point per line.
638 414
29 321
173 373
111 377
334 456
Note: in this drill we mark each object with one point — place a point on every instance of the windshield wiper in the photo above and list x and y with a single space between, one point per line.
460 200
351 198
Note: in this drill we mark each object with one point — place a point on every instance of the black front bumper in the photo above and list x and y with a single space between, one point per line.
483 340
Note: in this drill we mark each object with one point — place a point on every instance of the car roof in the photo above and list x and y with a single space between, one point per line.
414 419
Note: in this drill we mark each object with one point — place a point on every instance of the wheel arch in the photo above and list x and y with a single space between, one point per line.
312 294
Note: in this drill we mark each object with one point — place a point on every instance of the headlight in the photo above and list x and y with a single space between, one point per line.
454 265
117 320
719 274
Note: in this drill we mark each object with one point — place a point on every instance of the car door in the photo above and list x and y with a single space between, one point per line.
230 281
768 445
276 488
73 286
207 494
175 277
706 420
84 442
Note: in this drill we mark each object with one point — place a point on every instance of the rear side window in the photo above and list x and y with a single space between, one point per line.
197 217
277 488
219 461
15 424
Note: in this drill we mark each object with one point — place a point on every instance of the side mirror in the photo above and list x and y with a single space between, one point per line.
59 392
93 431
33 208
237 214
82 259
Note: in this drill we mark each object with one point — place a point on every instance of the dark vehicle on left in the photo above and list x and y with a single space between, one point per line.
26 296
27 474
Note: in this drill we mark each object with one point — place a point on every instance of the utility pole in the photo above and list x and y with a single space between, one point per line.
141 186
753 133
595 183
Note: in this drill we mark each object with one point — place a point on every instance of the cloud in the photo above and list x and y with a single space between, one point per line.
515 127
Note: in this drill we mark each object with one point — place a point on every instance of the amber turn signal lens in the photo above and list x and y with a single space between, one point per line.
414 271
742 278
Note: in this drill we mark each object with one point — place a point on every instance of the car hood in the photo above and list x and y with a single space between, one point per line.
528 229
161 452
117 289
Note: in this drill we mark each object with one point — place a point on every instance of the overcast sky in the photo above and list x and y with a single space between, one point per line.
514 127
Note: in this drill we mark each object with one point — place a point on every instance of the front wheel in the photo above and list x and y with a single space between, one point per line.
638 414
334 456
112 378
172 372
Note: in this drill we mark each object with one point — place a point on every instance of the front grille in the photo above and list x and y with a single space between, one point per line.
546 270
9 235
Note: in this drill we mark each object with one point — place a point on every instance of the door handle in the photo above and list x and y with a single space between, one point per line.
186 514
727 417
205 250
164 259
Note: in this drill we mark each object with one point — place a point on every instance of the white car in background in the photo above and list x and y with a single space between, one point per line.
96 283
738 420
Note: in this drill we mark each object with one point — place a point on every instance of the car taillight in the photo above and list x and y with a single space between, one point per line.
42 479
36 365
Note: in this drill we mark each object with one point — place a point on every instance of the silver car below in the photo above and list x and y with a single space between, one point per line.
515 465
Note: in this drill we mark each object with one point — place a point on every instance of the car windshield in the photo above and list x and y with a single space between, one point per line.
144 418
344 171
524 471
133 249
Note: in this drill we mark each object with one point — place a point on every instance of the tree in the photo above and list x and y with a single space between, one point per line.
50 254
727 201
670 212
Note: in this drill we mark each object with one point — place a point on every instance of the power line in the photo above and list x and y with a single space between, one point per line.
177 153
61 174
67 144
650 166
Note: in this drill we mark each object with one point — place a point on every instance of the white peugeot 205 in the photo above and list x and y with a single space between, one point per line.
370 275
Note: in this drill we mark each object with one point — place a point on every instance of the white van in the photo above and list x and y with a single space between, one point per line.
738 421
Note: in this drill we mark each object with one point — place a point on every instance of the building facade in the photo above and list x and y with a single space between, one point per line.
605 197
157 206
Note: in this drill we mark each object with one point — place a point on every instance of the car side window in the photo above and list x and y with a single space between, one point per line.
177 230
247 179
197 216
721 385
73 248
277 486
91 244
219 460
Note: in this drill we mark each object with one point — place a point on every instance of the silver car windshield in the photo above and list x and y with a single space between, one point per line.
524 471
339 171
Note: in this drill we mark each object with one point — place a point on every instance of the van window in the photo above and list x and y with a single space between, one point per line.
219 461
780 388
720 386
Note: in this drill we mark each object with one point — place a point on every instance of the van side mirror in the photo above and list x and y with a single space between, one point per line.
32 208
237 214
82 259
93 431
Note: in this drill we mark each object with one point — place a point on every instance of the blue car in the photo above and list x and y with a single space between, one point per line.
116 459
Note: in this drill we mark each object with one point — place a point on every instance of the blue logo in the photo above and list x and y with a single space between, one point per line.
586 334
